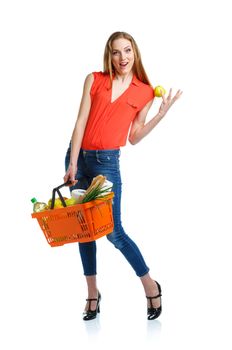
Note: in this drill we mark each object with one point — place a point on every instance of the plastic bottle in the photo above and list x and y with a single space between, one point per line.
38 206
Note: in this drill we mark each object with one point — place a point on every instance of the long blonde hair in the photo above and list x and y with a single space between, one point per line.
138 68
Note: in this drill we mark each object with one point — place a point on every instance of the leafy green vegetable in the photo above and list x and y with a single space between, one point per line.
96 193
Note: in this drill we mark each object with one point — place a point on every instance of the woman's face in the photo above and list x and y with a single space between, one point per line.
122 56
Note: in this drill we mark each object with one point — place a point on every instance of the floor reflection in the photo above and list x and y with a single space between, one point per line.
153 329
92 327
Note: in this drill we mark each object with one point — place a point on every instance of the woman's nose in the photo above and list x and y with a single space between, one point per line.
123 56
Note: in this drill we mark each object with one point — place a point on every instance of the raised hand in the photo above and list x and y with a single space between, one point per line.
168 102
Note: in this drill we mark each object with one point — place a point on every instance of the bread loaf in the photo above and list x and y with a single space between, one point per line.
97 181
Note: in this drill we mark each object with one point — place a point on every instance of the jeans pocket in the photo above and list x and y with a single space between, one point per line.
107 159
103 158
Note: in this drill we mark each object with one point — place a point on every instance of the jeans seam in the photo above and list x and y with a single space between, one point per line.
138 254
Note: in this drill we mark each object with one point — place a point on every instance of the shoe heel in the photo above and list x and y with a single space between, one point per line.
159 287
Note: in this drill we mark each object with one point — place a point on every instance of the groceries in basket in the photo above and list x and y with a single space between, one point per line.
77 195
38 206
84 217
98 189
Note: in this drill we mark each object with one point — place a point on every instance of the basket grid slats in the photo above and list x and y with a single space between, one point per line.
77 223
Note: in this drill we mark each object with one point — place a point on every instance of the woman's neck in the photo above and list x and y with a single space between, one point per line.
124 78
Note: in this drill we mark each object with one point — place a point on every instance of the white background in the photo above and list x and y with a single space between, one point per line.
176 182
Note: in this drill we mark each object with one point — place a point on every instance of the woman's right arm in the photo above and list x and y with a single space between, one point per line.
79 129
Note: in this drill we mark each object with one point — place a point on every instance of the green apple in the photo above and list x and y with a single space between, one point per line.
71 201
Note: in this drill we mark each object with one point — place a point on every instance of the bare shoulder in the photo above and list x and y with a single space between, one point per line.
89 77
89 80
88 83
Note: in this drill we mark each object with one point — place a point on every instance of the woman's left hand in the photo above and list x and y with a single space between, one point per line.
168 102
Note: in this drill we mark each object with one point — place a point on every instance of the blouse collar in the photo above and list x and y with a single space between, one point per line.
135 81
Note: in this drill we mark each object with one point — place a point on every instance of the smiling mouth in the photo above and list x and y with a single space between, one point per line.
123 65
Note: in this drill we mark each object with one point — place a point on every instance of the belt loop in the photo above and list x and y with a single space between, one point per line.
97 153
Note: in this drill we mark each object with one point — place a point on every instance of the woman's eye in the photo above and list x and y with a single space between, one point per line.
114 53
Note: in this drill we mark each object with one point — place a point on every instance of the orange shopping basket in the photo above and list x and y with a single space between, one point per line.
77 223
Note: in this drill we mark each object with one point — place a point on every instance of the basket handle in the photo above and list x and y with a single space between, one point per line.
57 189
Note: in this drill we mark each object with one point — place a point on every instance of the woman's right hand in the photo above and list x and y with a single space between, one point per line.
70 175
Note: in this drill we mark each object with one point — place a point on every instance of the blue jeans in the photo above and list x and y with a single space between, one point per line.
106 162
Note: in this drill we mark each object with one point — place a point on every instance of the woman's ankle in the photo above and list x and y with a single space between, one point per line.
92 286
92 293
149 284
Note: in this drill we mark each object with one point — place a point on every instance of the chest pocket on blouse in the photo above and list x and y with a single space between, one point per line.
133 104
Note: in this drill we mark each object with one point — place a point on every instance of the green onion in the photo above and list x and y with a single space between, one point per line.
96 193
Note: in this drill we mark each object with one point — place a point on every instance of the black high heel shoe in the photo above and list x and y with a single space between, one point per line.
154 312
91 314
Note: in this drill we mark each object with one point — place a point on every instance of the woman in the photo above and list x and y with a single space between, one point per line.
113 102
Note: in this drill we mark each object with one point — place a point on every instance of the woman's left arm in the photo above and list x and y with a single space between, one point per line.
139 129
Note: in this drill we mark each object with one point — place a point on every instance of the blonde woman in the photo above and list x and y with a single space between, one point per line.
114 101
